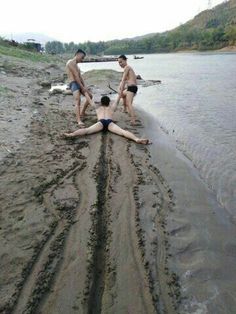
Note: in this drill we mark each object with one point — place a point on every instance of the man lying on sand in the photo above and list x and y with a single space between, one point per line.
104 115
77 84
128 87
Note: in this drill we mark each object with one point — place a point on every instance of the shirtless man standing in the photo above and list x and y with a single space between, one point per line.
128 87
77 84
104 115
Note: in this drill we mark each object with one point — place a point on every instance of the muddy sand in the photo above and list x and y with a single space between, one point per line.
91 225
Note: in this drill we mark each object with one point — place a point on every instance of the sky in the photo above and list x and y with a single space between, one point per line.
80 21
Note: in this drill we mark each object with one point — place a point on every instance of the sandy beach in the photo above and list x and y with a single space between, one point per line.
100 224
228 49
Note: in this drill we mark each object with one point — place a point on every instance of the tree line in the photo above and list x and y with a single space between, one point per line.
179 39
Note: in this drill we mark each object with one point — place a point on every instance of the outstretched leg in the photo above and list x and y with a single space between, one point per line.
97 127
114 128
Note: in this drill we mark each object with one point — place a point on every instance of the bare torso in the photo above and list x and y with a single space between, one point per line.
72 64
130 76
104 112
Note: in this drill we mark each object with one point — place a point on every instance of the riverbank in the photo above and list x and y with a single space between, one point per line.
201 232
228 49
225 49
99 59
83 222
101 224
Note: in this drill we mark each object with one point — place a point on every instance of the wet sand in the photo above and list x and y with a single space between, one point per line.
100 224
201 233
228 49
83 221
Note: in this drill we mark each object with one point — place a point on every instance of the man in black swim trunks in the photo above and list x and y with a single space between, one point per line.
128 87
77 84
105 123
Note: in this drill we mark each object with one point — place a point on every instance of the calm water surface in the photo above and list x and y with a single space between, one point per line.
196 103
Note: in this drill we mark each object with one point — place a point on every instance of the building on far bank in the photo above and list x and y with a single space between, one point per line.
33 44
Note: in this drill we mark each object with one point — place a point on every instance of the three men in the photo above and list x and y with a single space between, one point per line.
105 112
127 90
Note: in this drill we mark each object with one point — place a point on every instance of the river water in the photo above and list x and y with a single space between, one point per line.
195 104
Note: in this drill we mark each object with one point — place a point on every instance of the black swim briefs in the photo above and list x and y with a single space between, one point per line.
132 89
105 123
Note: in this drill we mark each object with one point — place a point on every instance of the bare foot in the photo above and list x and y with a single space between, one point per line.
133 122
143 141
66 135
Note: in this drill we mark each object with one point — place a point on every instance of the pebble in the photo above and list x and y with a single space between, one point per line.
19 163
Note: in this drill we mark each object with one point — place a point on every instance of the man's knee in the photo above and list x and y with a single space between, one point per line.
129 104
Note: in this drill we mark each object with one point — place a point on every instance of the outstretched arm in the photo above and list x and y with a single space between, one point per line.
116 103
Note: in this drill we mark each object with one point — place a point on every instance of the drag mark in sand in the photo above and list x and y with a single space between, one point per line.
126 288
101 244
99 232
39 277
154 199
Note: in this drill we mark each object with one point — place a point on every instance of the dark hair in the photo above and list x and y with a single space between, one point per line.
122 57
105 101
80 51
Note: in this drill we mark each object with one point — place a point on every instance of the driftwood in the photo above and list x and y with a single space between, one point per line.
100 59
109 86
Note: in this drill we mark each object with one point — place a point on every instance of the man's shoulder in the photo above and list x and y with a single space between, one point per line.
128 68
70 62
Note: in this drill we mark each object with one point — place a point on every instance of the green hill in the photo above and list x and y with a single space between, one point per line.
222 15
211 29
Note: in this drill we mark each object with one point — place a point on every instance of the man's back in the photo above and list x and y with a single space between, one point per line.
104 112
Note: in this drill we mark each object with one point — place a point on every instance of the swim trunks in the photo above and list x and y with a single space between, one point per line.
74 86
105 123
132 89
